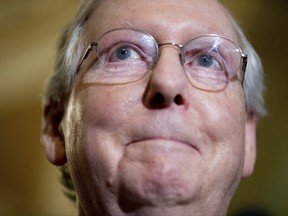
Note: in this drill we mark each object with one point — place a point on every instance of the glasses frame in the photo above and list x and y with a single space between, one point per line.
243 60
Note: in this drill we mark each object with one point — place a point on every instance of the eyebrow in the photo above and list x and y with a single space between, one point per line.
205 29
129 24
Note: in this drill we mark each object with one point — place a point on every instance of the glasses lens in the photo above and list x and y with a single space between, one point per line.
123 55
211 61
126 55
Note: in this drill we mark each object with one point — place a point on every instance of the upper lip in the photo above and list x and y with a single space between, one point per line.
166 126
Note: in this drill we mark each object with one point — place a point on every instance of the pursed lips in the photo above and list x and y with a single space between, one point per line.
165 139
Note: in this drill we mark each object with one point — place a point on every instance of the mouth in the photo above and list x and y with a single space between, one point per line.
167 142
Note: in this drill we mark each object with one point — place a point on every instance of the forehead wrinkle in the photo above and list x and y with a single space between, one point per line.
153 30
169 27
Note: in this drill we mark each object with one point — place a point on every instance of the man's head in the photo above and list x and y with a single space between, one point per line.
163 139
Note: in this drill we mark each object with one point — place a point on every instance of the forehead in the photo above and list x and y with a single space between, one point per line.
163 19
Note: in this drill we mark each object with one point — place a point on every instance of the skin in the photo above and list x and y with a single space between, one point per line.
131 153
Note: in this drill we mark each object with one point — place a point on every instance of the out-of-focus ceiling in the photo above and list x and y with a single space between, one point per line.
28 35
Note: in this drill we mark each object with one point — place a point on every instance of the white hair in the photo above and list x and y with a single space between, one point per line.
254 76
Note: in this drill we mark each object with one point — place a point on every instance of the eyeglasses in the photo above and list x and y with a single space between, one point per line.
126 55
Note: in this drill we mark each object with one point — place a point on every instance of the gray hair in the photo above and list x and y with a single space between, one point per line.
71 48
254 76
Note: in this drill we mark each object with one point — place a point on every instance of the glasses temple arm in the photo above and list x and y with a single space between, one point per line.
244 65
87 52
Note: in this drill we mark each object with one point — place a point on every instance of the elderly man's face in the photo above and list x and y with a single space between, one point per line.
186 154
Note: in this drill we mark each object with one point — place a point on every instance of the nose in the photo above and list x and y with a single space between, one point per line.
167 83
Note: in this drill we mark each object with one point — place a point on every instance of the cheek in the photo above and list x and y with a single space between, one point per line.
108 107
224 131
223 139
105 115
225 114
94 131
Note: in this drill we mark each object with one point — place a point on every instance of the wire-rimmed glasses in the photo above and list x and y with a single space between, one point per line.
125 55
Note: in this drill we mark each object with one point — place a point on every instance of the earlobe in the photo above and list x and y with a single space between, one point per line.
250 145
51 135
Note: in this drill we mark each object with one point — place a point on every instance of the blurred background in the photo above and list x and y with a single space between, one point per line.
28 34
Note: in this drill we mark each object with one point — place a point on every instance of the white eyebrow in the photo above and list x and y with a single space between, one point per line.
129 25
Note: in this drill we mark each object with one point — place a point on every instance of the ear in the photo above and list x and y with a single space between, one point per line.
250 145
51 134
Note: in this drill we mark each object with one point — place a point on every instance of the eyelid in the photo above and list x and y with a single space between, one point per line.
217 60
134 47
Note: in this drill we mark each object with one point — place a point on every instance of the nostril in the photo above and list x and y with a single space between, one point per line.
158 99
178 100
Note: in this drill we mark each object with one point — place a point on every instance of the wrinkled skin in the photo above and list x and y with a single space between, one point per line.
133 154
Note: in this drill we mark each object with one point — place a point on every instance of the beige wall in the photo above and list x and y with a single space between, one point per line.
29 28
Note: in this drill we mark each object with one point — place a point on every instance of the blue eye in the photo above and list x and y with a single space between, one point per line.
213 62
123 53
205 60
